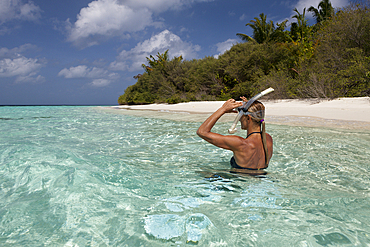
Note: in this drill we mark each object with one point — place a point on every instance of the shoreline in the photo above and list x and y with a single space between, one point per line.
348 113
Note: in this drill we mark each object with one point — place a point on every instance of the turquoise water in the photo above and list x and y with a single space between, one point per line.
82 176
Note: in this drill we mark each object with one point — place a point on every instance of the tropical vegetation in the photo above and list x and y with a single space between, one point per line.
326 60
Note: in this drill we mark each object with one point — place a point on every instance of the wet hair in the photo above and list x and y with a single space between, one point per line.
258 110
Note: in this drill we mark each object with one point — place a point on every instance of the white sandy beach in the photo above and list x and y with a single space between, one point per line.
341 112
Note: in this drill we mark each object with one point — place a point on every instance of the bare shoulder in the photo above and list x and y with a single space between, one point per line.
268 137
236 140
234 143
269 141
270 145
247 144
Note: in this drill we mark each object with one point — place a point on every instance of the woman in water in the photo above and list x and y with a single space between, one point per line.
251 153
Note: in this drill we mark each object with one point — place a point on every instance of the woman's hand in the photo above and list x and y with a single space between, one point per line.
230 105
244 99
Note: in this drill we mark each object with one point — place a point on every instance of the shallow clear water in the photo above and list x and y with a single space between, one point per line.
82 176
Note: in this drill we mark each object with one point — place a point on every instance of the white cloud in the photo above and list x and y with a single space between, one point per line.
32 77
243 17
5 52
13 64
161 5
107 18
82 71
166 40
308 3
103 19
74 72
18 9
100 82
101 77
224 46
18 66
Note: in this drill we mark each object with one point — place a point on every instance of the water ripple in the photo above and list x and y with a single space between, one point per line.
80 176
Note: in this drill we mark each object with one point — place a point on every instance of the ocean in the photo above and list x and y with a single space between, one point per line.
87 176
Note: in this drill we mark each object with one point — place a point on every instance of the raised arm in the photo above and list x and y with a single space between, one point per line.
204 131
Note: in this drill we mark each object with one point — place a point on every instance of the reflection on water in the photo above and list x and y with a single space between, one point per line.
171 226
77 176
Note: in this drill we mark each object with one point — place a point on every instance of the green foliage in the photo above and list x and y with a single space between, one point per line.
328 61
341 62
300 30
264 31
323 12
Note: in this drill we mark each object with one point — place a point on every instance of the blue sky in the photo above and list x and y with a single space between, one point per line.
86 52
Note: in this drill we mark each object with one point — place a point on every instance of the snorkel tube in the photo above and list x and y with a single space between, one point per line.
246 105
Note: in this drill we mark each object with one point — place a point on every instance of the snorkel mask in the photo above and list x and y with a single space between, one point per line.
259 115
245 106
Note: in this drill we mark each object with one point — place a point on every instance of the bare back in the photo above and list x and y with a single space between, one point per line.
250 154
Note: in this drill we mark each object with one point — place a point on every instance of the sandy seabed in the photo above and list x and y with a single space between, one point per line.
348 113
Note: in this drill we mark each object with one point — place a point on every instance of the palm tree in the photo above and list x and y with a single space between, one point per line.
153 62
264 31
300 30
323 12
